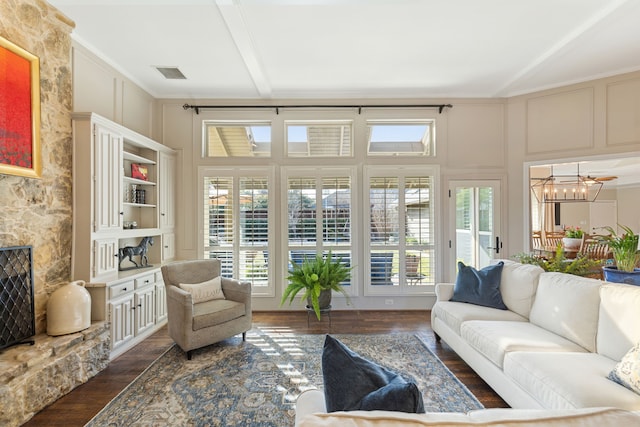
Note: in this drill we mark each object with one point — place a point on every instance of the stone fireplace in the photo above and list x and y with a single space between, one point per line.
38 213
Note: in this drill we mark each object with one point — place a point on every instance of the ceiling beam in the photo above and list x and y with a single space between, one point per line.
564 44
232 15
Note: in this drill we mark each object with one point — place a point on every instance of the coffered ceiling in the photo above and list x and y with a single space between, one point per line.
338 49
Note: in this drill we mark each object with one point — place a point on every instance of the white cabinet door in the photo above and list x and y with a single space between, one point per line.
168 246
121 313
145 305
161 302
167 190
105 259
107 179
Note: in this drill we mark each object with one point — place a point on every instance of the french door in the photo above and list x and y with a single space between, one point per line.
476 229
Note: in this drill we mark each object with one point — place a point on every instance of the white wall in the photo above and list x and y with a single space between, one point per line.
476 139
100 88
596 118
629 208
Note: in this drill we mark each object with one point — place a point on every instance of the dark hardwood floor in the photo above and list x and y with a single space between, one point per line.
79 406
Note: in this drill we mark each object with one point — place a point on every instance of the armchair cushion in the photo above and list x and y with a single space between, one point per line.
216 312
205 291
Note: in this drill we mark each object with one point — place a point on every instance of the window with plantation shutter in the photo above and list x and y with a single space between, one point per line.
319 211
236 229
401 240
283 185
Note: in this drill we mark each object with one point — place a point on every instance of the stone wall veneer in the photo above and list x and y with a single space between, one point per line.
38 212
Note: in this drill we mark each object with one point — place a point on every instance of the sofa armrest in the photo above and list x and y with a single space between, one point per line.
309 402
237 291
444 291
179 305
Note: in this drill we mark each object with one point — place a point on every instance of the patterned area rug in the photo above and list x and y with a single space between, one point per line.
256 383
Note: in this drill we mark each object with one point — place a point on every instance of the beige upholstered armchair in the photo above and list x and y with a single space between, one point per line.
198 317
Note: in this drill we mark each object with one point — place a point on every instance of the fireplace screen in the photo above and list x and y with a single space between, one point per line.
17 320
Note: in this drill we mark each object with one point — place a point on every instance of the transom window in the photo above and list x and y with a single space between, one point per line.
319 139
400 138
227 139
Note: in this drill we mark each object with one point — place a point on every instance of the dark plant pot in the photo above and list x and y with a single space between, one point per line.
324 299
612 274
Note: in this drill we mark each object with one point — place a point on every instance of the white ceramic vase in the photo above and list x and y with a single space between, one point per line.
69 309
570 243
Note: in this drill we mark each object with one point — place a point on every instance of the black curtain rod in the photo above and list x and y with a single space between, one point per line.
197 108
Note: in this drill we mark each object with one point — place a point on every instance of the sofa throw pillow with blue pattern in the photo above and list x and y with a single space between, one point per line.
353 383
480 287
627 371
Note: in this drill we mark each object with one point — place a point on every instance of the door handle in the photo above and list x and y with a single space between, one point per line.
498 245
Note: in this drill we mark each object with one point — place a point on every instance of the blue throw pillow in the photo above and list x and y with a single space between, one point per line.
480 287
353 383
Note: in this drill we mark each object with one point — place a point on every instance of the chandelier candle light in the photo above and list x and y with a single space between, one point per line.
566 188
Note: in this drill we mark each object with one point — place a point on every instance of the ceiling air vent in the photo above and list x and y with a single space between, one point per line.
171 73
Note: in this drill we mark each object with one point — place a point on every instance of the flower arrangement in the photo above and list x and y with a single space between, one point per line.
573 232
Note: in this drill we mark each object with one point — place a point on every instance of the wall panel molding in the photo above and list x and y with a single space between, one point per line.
623 112
560 122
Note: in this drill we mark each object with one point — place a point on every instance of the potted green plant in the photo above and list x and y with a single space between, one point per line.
572 239
579 266
317 277
626 255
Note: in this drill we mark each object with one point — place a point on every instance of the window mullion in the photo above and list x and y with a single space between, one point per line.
402 216
319 217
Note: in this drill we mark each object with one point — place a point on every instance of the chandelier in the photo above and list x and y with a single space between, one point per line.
566 188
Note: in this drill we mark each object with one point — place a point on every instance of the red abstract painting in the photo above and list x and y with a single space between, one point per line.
19 146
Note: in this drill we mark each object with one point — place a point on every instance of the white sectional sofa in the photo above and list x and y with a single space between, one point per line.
311 412
555 345
548 355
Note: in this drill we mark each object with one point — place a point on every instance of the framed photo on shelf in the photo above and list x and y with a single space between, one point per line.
19 112
139 171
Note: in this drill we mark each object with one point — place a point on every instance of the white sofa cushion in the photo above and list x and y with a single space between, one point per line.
619 324
568 305
518 285
568 380
453 314
589 417
495 338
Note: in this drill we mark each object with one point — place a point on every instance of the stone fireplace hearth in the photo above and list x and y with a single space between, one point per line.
34 376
